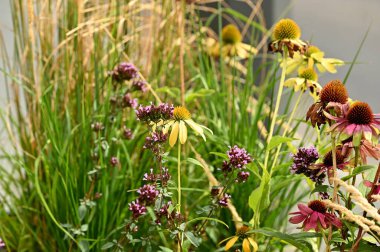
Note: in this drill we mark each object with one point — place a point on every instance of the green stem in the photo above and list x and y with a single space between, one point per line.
334 168
286 129
278 101
179 193
179 177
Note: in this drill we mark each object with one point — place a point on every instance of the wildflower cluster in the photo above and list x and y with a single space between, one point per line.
302 164
238 158
155 114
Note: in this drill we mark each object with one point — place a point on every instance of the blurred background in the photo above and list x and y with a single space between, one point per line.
336 27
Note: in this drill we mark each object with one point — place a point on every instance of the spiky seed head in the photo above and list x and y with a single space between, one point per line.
334 91
181 113
308 74
360 113
286 29
231 34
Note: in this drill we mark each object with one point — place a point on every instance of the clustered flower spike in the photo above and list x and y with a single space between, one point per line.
124 71
148 194
315 216
303 161
139 85
238 157
223 202
137 209
155 114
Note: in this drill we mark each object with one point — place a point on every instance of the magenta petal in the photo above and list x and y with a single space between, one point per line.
377 190
367 183
350 129
297 219
322 220
304 209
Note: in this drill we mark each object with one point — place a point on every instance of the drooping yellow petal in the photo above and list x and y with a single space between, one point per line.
167 126
328 66
254 244
198 129
246 247
231 242
174 134
182 132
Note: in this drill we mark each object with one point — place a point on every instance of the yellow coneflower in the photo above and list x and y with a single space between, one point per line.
307 79
248 241
181 118
313 56
287 33
232 45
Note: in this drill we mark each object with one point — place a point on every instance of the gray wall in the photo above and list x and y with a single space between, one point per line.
338 27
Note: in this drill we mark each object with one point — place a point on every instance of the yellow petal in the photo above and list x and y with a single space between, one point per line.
290 82
329 67
167 127
246 247
254 244
198 129
230 243
174 134
182 132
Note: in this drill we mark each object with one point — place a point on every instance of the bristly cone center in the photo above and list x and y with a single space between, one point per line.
360 113
181 113
286 29
318 206
334 91
328 158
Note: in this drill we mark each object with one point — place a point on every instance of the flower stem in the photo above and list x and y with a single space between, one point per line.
326 241
278 101
179 193
179 177
286 129
335 194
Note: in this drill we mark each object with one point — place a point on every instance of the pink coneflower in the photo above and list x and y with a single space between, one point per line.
314 216
356 120
327 163
366 149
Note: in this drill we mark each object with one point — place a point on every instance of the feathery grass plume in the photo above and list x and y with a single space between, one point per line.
376 197
359 199
347 214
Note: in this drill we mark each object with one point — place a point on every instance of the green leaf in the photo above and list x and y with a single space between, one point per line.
259 198
358 170
194 240
320 188
277 140
165 249
208 218
199 93
82 211
83 246
220 154
300 244
108 245
194 161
